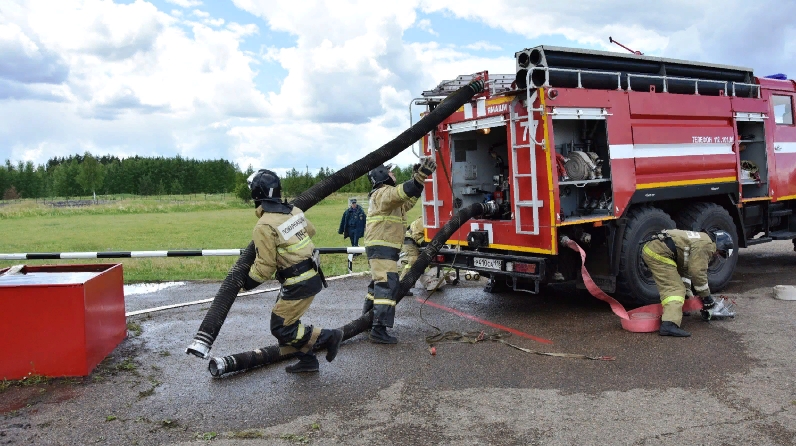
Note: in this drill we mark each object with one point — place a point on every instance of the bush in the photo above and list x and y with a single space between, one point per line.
242 191
11 194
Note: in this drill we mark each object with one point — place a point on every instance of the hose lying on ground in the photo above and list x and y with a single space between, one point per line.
225 297
270 355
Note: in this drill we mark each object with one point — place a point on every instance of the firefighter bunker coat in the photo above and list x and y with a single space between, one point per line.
673 258
283 241
384 234
410 251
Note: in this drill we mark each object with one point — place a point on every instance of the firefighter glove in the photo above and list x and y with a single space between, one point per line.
426 168
250 284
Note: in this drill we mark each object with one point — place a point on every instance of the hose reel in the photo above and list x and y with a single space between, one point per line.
581 166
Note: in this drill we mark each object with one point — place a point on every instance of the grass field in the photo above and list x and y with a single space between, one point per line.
144 225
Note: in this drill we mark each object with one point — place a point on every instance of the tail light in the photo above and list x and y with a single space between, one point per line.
440 258
528 268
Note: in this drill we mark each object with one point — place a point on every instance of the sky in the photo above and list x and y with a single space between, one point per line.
310 84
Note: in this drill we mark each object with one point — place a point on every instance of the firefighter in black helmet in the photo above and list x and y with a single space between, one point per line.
283 241
679 259
384 235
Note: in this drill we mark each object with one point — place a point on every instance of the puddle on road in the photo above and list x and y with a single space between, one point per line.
146 288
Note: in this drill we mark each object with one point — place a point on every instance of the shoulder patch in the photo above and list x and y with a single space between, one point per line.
692 234
292 226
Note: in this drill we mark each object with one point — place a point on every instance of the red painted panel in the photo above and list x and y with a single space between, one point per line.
785 183
749 105
710 166
106 324
581 97
678 105
61 329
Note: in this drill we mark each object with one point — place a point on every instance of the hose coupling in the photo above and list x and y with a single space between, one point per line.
217 366
198 348
491 208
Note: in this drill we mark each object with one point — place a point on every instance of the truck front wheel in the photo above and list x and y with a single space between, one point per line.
634 283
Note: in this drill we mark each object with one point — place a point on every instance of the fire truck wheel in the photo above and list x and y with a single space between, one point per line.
708 217
634 284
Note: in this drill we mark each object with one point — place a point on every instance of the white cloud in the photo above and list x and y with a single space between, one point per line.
185 3
213 22
425 25
124 79
483 46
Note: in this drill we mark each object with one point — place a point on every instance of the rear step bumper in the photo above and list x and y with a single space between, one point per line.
519 268
782 235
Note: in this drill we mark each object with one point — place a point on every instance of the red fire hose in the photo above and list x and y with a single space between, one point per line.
641 320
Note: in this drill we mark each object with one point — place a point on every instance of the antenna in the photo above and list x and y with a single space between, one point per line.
638 53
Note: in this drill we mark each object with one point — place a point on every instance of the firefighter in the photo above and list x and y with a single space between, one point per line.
677 258
283 241
384 233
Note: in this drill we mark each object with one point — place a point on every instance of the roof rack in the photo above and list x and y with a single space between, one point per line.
495 84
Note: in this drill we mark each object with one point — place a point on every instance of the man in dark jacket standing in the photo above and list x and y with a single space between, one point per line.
353 223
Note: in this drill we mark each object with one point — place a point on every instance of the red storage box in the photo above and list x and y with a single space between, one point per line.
60 320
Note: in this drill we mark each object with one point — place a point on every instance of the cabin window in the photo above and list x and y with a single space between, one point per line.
783 109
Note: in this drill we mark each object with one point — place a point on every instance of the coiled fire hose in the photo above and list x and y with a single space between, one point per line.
270 355
225 297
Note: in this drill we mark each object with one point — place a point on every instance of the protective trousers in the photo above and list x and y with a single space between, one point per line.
286 326
382 291
659 260
412 252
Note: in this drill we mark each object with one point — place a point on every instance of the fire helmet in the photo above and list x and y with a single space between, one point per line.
265 185
381 175
724 244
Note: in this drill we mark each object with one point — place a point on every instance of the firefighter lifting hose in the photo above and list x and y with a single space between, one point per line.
225 297
272 354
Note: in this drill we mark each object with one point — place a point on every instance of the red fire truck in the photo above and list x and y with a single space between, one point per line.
605 149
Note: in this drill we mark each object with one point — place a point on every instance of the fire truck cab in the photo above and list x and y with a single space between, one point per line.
607 148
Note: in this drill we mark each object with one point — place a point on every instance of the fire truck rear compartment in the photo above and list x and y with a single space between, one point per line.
584 168
480 169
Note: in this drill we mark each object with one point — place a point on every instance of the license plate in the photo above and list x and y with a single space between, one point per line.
487 263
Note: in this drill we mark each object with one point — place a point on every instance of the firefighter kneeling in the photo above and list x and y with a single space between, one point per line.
283 239
676 257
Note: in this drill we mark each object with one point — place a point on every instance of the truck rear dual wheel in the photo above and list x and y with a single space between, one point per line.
634 285
709 217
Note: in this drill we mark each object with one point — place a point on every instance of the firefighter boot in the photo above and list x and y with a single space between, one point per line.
331 340
669 328
307 363
379 335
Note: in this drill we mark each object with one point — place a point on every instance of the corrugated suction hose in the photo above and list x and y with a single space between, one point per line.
225 297
270 355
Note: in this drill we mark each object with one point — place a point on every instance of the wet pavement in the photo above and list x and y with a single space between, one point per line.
732 382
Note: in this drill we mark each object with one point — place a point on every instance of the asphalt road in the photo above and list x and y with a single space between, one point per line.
732 382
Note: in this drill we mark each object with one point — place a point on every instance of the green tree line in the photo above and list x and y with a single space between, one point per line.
81 175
